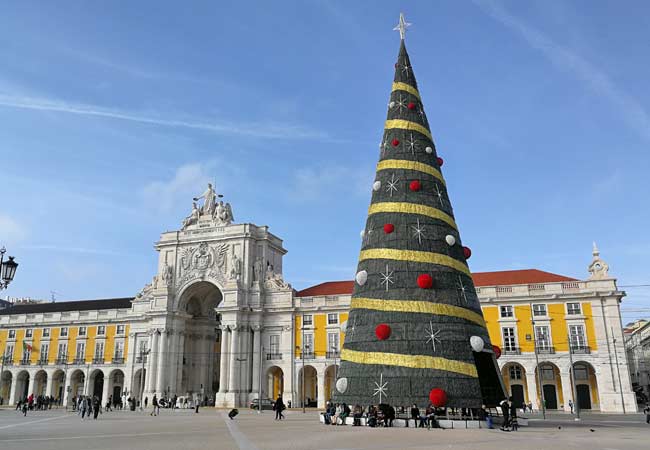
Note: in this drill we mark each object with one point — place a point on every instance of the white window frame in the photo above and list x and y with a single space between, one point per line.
543 344
118 352
507 308
544 370
506 339
27 354
274 344
82 331
333 338
29 333
99 350
539 312
46 332
579 370
9 351
332 318
308 345
572 312
120 329
577 339
44 352
63 332
515 372
81 355
101 330
304 319
12 334
62 351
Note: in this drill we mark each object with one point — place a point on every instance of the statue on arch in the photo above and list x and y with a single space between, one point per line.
209 200
193 217
235 269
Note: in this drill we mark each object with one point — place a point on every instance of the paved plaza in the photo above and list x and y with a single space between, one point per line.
211 429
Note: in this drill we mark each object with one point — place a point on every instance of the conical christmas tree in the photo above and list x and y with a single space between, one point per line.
415 333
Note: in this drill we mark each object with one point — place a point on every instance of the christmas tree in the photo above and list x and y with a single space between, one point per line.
415 333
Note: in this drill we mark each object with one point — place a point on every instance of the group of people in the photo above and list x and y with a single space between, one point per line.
87 405
36 403
509 412
382 415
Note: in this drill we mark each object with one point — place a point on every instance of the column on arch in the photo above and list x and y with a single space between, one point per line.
531 385
223 359
161 370
172 359
567 389
152 362
234 354
49 385
256 358
180 348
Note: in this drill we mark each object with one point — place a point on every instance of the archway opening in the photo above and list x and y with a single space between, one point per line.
5 387
330 380
22 386
586 385
77 382
97 383
310 377
115 387
275 382
58 385
195 366
514 379
40 383
137 386
551 382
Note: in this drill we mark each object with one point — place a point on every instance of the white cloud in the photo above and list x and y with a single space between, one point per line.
187 182
632 111
256 130
70 249
317 183
10 230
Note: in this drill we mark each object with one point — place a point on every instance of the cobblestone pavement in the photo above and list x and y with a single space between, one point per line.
211 429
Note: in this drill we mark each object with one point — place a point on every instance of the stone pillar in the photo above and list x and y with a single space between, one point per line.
210 369
179 368
256 358
234 354
107 390
532 389
152 362
173 361
161 370
320 383
49 385
567 392
13 390
244 359
32 380
223 360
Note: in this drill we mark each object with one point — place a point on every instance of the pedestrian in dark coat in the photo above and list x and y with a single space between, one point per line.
97 406
646 411
513 415
279 407
505 410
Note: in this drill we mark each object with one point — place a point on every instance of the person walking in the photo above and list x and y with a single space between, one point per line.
279 407
154 406
109 402
146 402
571 405
82 407
97 407
505 410
513 415
646 411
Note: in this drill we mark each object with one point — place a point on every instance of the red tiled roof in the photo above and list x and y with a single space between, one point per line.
500 278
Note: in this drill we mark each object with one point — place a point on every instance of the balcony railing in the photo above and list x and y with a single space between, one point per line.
271 356
79 361
512 351
98 360
42 362
25 362
138 359
61 360
546 349
582 349
9 362
332 354
118 360
309 355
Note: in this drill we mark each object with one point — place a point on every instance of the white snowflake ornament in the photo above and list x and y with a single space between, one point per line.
391 105
361 277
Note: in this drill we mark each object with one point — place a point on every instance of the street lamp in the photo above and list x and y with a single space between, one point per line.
7 269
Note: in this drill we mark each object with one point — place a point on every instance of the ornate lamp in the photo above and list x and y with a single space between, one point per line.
9 270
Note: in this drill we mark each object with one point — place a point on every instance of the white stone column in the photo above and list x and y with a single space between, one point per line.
32 380
179 368
49 385
320 383
106 390
567 392
210 368
152 362
257 348
234 350
173 361
244 354
223 360
161 370
532 389
13 390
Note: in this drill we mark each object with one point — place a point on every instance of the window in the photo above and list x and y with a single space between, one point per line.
577 336
9 351
46 332
82 331
547 373
12 334
509 342
101 330
119 350
542 338
274 341
307 319
120 329
332 342
64 332
29 333
573 308
27 352
62 353
539 310
45 350
515 372
506 311
81 351
309 343
99 350
580 372
332 319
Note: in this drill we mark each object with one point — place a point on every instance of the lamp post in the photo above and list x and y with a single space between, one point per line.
143 353
7 269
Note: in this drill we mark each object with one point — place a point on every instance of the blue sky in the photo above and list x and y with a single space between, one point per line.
114 114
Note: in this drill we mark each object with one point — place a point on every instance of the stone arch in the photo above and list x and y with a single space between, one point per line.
329 380
77 383
21 386
311 386
115 385
96 381
6 381
514 378
274 382
58 385
194 362
551 382
40 383
586 383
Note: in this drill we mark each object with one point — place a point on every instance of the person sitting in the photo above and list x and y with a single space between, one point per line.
327 415
357 414
372 416
345 412
338 410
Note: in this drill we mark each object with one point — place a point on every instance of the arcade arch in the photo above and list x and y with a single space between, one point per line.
311 386
274 382
514 378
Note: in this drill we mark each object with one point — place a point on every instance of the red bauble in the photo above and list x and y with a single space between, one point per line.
411 106
425 281
389 228
497 351
382 331
440 161
415 185
467 252
395 142
438 397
